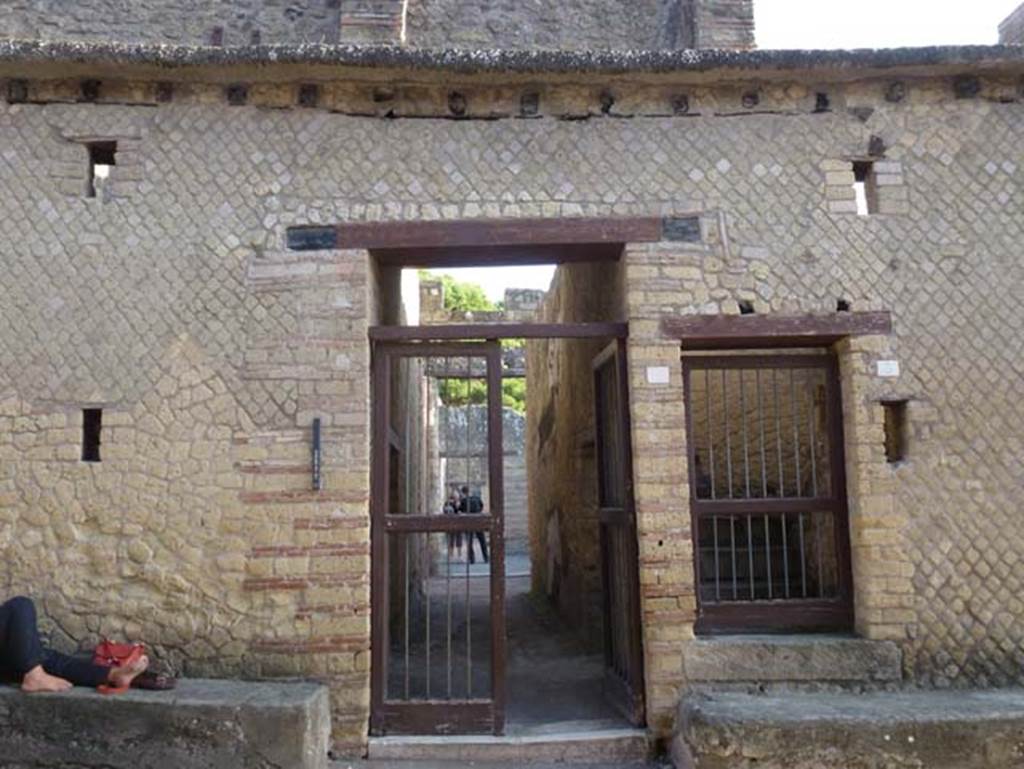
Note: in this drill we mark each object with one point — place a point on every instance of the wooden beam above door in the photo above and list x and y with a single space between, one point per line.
709 332
499 331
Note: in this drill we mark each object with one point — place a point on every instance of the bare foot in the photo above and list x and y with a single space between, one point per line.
38 680
123 676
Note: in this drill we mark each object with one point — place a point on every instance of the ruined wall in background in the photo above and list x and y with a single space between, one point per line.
582 24
188 22
579 24
561 453
1011 30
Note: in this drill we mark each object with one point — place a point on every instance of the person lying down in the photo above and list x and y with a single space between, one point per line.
24 659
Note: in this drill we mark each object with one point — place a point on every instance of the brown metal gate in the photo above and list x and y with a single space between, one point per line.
438 652
624 675
768 493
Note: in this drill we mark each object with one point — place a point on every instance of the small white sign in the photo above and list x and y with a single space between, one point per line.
888 368
657 375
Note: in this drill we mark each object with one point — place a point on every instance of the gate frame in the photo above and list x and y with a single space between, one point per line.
468 716
798 615
416 341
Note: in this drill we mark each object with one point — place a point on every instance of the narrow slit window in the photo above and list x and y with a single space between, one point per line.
895 431
92 425
864 187
102 157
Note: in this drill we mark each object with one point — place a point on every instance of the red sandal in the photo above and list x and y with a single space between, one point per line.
117 655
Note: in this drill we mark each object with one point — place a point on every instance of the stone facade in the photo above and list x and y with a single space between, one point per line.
170 301
580 24
1011 30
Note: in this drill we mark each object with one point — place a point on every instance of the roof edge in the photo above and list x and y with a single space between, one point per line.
468 62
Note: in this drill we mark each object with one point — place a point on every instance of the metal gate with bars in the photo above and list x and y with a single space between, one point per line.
623 645
768 496
438 660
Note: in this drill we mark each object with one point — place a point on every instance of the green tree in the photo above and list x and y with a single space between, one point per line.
463 296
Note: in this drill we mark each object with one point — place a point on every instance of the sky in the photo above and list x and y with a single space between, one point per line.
824 24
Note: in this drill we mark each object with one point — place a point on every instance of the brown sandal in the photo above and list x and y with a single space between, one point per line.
158 682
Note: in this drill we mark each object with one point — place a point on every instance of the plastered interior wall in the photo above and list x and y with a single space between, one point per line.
169 301
561 453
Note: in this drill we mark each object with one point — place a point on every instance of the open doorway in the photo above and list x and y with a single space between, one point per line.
505 577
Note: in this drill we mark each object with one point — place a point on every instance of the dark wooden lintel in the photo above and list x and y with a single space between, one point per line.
500 331
497 232
499 256
709 332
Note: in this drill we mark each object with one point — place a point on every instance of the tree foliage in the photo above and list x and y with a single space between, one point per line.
463 296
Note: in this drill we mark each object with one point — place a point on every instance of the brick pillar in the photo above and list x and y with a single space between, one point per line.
667 597
309 564
882 571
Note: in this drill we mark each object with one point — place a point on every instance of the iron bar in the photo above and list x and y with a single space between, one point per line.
817 546
803 558
711 436
469 634
408 575
732 547
778 432
768 553
813 440
796 431
718 587
746 446
785 555
426 580
728 439
760 422
750 556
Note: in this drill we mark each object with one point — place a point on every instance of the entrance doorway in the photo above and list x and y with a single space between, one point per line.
461 643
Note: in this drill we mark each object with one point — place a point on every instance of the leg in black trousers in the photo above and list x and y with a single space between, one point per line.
482 539
21 651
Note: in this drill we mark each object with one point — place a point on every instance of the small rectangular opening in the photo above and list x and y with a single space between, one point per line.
102 157
895 431
864 187
92 424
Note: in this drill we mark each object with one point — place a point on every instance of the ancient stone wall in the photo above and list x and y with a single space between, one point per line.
561 453
580 24
194 22
170 301
1011 30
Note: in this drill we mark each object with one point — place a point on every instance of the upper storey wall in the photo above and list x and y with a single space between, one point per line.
1011 31
570 25
174 21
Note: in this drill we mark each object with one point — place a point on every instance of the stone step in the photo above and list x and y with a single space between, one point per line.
621 747
792 659
384 764
795 730
201 724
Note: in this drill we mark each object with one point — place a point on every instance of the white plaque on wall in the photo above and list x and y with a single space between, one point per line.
657 375
888 368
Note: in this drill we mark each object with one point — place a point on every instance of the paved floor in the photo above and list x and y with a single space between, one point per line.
553 684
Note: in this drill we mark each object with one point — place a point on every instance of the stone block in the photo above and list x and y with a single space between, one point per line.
783 659
202 724
937 730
